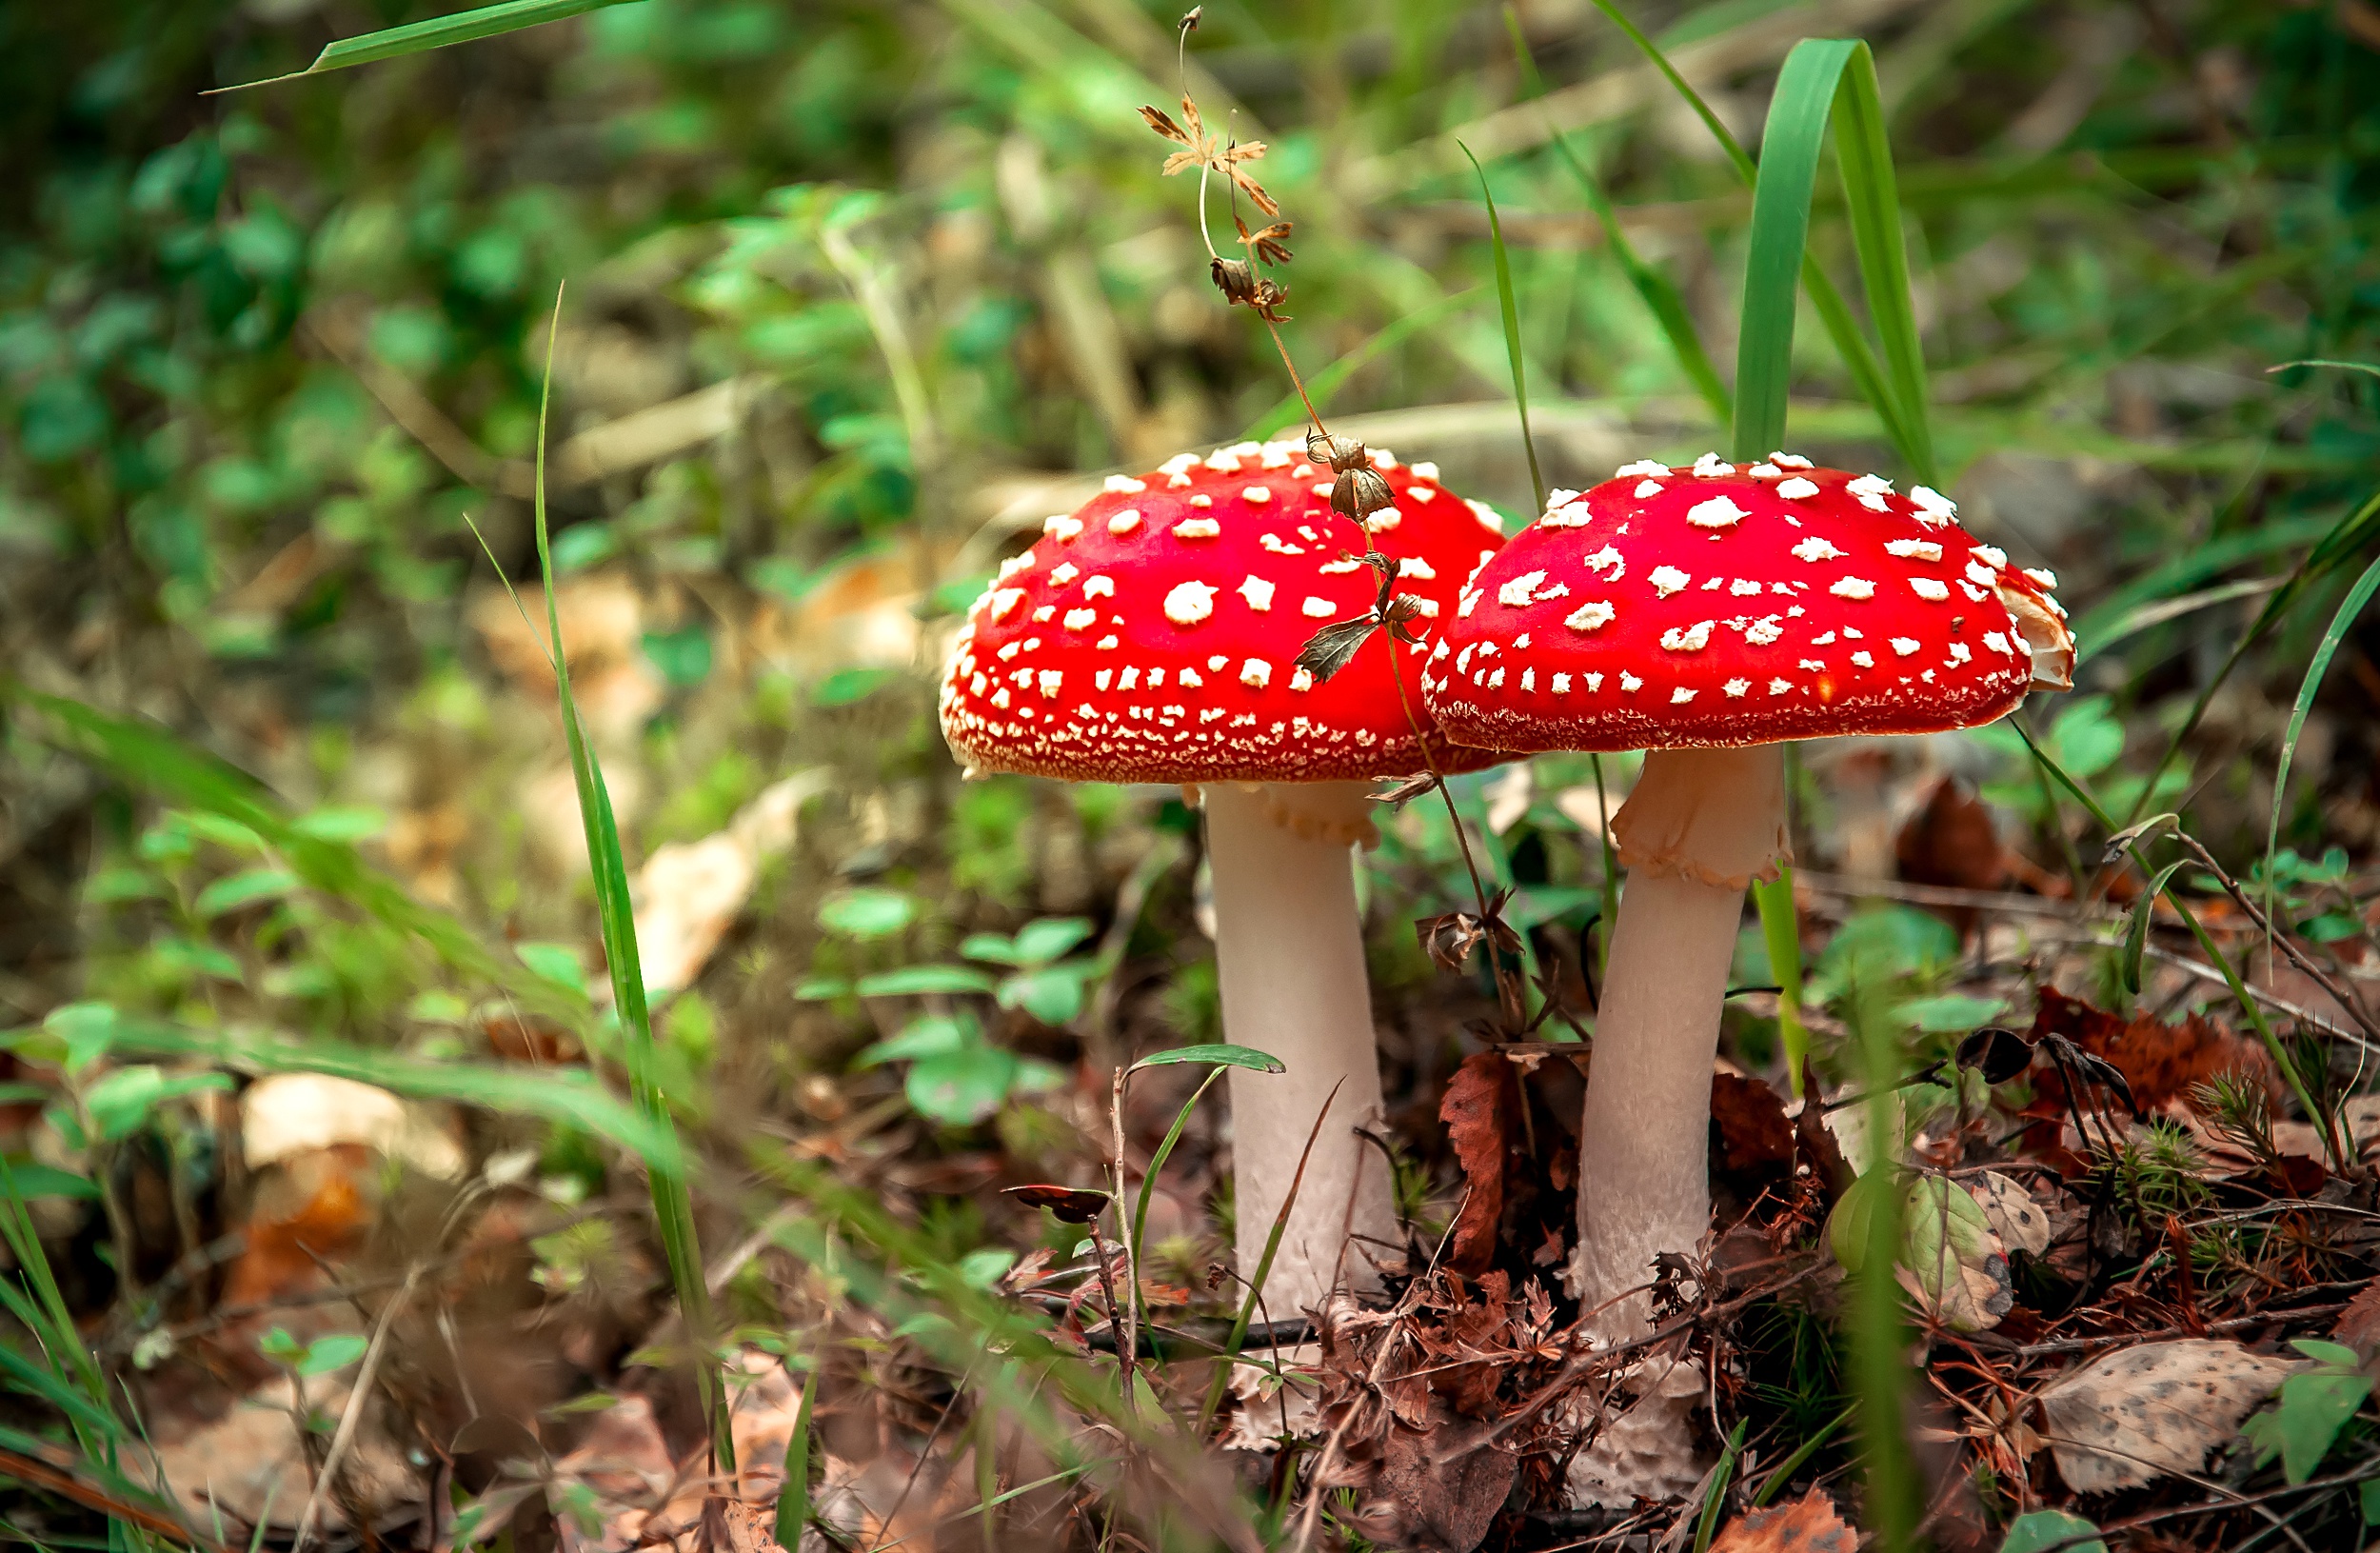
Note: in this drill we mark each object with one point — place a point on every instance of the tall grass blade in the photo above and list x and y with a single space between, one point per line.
793 1500
1660 295
1263 1270
673 1201
1512 327
1156 1163
437 32
1879 1336
2341 622
1780 934
1859 358
1826 80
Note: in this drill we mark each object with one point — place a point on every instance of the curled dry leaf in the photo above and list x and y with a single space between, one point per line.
1809 1525
2133 1416
1478 1111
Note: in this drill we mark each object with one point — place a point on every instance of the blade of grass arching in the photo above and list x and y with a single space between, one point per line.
1879 1336
2048 762
1263 1270
437 32
1708 1524
1660 298
1863 159
673 1200
1859 358
1780 933
1322 386
1512 327
2345 539
2341 622
793 1501
1157 1162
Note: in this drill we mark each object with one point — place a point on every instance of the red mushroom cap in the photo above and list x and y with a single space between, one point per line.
1727 604
1152 635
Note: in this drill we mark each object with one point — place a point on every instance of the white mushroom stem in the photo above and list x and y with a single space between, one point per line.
1289 952
1700 825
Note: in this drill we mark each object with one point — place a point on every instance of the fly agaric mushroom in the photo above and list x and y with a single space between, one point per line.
1154 635
1705 614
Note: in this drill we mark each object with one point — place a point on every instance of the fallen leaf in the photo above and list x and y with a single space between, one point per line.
2012 1214
2161 1062
1755 1136
2358 1326
2133 1416
1809 1525
1477 1113
1952 840
1447 1481
246 1463
689 893
314 1206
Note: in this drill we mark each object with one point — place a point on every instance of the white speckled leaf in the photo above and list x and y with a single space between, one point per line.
2135 1415
2014 1215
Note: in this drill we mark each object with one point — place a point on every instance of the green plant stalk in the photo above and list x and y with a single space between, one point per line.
673 1202
1652 287
1610 873
1263 1269
1879 1339
1512 327
1780 931
2331 1144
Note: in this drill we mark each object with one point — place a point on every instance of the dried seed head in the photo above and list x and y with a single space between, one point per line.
1341 453
1358 493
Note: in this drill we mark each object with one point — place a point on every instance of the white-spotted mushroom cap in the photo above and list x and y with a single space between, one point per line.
1724 604
1153 635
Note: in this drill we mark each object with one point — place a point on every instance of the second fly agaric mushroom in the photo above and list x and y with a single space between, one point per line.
1153 636
1705 614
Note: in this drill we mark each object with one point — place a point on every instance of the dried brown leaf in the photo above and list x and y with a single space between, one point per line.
1809 1525
2140 1413
1478 1111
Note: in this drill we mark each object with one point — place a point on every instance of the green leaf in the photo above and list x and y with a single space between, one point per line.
822 989
2041 1530
88 1030
2370 1501
2314 1406
2136 934
964 1087
437 32
243 888
982 1269
1855 1211
1039 943
793 1501
910 981
2341 621
934 1036
556 962
1512 327
351 824
1218 1053
1053 995
330 1352
867 913
31 1180
845 686
684 656
1952 1013
121 1102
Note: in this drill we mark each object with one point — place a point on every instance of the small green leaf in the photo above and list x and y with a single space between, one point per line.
334 1351
1952 1013
349 824
1221 1055
962 1087
920 1037
684 656
243 888
33 1179
822 989
1054 996
845 686
1039 943
1847 1226
88 1030
554 962
2044 1529
2136 934
2314 1406
909 981
123 1101
982 1269
867 913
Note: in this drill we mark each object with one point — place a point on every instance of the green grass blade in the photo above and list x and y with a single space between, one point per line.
2341 622
1164 1149
1736 155
1263 1270
793 1500
1324 384
1863 156
1780 932
1709 1523
437 32
2136 932
1660 297
1228 1056
673 1202
1512 327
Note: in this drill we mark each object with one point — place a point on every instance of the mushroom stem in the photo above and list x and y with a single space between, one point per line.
1700 825
1289 954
